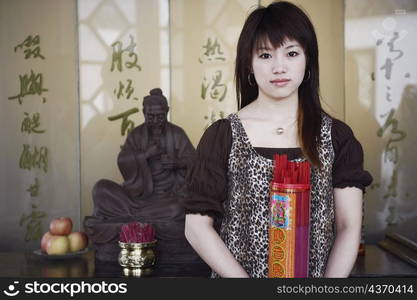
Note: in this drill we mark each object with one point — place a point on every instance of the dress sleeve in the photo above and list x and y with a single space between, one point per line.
348 168
207 176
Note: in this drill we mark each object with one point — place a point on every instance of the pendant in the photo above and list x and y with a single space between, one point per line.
279 130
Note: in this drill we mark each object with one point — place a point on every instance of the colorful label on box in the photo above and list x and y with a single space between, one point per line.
280 211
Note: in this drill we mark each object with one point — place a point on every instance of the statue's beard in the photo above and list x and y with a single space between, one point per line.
156 130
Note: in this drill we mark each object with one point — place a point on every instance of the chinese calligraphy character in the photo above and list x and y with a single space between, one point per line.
30 125
30 85
127 125
391 151
217 90
388 61
213 51
391 46
392 188
29 42
35 159
127 89
213 118
33 224
388 68
393 216
117 56
34 188
388 95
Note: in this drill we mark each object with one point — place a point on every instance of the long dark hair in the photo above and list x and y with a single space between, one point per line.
276 23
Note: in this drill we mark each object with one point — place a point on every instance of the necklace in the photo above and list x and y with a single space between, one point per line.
280 130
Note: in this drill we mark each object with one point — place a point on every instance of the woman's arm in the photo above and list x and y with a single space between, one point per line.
202 236
348 202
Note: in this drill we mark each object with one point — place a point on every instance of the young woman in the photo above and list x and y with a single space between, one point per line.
277 84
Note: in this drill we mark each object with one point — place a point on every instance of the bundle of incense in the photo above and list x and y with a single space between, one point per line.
290 172
136 232
289 231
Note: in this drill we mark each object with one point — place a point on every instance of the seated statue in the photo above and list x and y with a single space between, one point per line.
153 164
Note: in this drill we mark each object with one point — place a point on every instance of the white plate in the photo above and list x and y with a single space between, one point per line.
40 253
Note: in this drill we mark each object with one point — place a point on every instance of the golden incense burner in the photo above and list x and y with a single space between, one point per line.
137 259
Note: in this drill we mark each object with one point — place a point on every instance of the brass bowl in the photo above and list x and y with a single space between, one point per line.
137 259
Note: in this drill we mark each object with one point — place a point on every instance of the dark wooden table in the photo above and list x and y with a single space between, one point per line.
28 264
375 263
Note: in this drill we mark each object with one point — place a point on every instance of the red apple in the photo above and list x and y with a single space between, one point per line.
77 241
61 226
57 244
44 240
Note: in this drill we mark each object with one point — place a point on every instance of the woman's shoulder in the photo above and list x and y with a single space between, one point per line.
340 129
348 162
343 137
218 133
221 125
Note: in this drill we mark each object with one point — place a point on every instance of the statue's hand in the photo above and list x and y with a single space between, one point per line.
153 150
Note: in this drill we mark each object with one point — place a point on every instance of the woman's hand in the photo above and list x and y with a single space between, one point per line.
207 243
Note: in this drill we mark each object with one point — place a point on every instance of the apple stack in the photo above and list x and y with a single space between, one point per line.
61 240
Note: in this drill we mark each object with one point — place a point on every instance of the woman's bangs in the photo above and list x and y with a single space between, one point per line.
274 35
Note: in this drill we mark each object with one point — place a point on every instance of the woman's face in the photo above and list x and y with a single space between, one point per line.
279 72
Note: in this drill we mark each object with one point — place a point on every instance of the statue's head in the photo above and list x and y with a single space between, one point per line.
155 109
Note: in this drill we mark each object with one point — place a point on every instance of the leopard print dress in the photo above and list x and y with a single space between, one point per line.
245 223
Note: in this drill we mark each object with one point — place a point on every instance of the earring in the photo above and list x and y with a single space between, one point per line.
249 77
308 76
